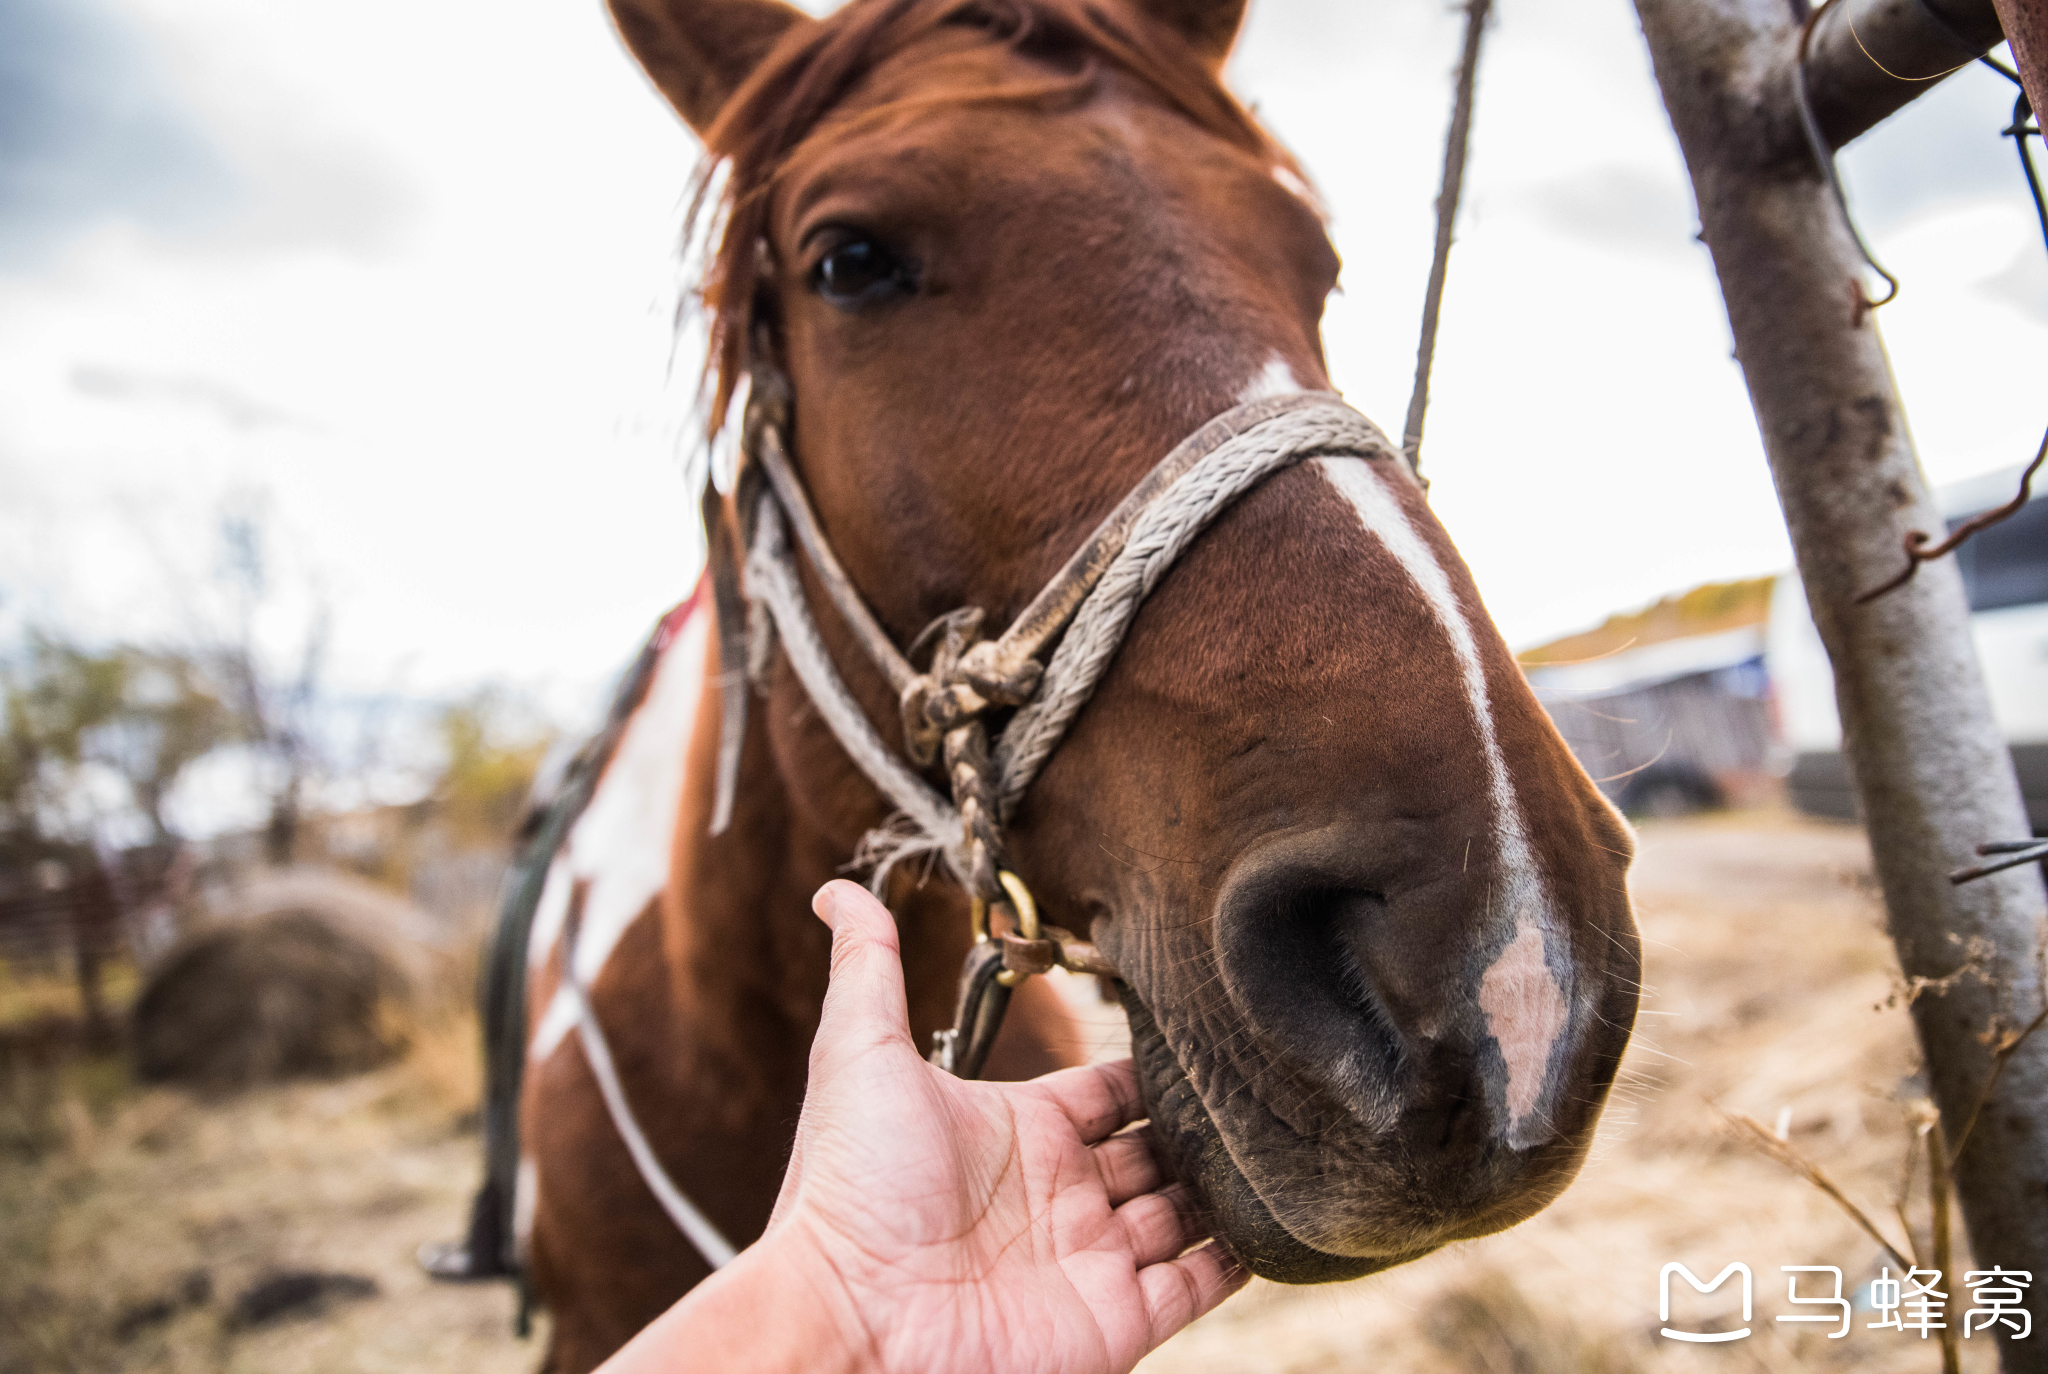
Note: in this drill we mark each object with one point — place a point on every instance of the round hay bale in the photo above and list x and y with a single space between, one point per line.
405 934
289 994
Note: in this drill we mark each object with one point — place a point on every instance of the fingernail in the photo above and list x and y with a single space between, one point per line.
825 902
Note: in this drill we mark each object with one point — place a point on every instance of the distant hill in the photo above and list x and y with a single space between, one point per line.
1707 609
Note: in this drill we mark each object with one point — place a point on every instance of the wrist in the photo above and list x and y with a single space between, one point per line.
804 1289
779 1306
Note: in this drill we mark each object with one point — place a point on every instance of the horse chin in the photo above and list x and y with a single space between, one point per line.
1195 1153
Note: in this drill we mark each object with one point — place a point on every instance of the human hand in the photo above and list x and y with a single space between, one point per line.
930 1223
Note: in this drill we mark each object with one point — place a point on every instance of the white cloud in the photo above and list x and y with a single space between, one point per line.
1590 441
451 267
487 452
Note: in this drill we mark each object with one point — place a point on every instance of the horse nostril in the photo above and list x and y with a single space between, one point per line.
1339 924
1292 952
1358 988
1458 1110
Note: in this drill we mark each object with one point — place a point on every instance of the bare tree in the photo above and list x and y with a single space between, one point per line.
173 713
1930 765
277 710
73 720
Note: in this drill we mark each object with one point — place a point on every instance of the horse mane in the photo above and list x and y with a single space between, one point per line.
813 68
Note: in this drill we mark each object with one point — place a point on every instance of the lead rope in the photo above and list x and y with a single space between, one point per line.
945 709
1161 535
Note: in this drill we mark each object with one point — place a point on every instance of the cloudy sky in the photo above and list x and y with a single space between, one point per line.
400 282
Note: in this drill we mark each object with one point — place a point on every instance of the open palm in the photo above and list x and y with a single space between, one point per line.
999 1226
932 1224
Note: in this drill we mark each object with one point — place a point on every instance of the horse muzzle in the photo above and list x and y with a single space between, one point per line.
1380 1065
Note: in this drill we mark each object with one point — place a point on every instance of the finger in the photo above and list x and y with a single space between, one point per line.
864 1005
1127 1166
1158 1226
1178 1291
1099 1099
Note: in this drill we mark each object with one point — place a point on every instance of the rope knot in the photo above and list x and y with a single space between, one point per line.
966 680
1042 670
1003 684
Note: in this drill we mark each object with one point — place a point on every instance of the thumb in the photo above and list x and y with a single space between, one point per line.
864 1005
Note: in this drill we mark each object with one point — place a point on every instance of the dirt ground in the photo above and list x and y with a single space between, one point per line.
133 1222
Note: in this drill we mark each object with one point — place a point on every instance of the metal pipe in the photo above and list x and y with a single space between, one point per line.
1869 58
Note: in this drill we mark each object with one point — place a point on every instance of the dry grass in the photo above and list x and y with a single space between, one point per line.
115 1199
45 989
1770 991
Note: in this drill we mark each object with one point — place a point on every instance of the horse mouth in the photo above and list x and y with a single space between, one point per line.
1193 1150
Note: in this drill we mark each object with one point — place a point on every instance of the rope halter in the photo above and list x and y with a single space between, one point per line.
1042 669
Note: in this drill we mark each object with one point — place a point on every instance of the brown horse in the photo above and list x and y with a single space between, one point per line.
1375 944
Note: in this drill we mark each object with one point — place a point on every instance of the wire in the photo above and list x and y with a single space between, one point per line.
1455 143
2019 132
1917 541
2010 854
1917 551
1825 155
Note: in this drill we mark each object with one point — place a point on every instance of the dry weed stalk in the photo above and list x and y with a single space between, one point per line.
1941 1163
1940 1191
2008 1045
1901 1203
1767 1140
1940 1196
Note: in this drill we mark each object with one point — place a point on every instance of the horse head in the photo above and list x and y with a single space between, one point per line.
1371 919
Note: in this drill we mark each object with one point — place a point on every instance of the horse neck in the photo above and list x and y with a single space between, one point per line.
748 959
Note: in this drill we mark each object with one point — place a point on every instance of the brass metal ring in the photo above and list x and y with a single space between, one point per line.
1027 905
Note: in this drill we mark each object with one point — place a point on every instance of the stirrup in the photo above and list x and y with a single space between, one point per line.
480 1255
453 1261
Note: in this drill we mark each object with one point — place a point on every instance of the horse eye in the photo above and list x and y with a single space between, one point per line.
861 272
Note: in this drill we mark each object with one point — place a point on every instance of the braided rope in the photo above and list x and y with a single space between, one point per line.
932 823
925 822
1156 542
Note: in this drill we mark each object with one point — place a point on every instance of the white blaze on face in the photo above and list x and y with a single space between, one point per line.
1525 1011
1276 378
1381 514
1520 902
620 844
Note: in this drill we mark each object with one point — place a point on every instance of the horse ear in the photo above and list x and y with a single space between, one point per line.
697 52
1210 26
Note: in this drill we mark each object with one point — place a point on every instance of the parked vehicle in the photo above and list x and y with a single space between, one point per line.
1668 707
2005 570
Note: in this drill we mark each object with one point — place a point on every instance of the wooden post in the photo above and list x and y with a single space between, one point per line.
95 916
1930 765
2026 27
